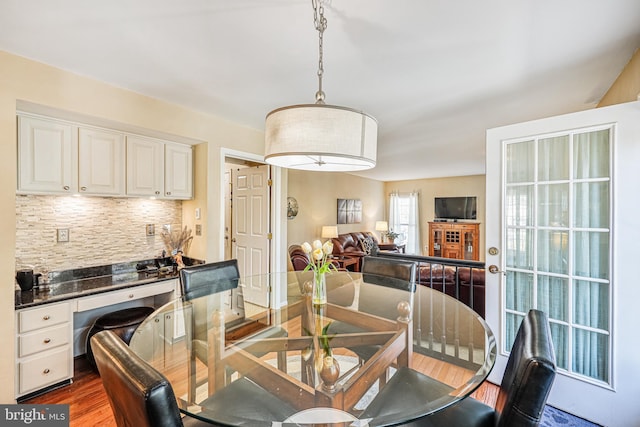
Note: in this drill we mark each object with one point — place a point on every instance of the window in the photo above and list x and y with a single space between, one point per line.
404 219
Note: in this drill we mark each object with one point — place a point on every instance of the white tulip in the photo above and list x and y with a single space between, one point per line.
306 247
318 254
317 244
327 248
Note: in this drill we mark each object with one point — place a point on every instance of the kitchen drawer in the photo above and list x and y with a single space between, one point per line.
47 315
129 294
52 367
43 340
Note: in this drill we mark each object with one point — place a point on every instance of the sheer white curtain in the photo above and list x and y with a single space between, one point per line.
404 217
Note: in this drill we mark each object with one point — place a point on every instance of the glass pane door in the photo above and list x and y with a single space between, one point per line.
557 205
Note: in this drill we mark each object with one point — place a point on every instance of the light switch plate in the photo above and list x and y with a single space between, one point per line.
63 235
197 213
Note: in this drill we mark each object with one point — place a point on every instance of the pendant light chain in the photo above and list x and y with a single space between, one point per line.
320 23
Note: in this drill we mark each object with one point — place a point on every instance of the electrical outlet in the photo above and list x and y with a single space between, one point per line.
151 230
63 234
167 228
198 230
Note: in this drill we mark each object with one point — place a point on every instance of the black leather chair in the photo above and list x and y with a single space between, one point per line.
391 275
140 396
526 383
209 279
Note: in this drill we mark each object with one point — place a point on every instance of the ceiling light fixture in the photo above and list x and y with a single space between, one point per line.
320 137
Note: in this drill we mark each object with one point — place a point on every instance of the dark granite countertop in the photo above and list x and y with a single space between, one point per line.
71 284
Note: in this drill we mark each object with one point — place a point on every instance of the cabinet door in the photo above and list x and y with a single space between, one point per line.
46 156
145 167
101 161
178 172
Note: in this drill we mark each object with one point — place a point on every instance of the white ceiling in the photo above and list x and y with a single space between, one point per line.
435 73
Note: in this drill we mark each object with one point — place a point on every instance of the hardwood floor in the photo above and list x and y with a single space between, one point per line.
89 406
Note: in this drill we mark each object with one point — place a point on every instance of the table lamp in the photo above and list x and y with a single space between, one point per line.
382 227
329 231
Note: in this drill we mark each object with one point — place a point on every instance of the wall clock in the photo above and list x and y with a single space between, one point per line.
292 207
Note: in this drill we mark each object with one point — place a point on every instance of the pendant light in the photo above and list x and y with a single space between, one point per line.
320 137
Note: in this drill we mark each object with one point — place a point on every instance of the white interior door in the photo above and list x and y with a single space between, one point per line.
562 210
251 229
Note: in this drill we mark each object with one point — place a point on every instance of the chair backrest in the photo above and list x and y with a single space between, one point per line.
389 272
207 279
139 395
395 278
529 374
298 257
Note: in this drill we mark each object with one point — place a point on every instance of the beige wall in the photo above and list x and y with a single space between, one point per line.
473 185
626 88
22 79
317 194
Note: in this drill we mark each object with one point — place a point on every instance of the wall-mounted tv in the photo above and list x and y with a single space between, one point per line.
455 208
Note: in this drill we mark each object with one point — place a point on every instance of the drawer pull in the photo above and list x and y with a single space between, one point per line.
46 371
130 295
47 340
46 317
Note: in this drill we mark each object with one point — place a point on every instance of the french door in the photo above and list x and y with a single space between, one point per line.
557 233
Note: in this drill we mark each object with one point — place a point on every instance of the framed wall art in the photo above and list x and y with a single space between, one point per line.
349 211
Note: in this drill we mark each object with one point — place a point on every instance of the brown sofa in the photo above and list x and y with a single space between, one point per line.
299 259
441 277
349 244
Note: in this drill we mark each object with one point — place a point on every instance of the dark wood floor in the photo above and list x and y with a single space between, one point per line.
88 404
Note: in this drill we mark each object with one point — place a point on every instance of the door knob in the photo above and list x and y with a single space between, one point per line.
493 269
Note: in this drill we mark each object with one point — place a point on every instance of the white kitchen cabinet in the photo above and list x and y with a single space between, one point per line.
47 158
60 157
145 167
101 156
178 171
44 352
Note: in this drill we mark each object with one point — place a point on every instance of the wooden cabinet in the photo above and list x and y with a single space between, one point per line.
456 240
101 160
46 156
44 352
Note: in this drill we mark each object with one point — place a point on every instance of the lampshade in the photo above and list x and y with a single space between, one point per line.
382 226
329 231
320 137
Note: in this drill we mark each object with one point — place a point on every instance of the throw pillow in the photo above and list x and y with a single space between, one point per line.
367 245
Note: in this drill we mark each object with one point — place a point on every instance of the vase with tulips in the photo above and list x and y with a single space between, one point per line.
320 262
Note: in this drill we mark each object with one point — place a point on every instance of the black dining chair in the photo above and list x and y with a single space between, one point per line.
140 396
527 381
209 279
392 276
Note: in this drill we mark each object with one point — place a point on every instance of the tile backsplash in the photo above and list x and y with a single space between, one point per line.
102 230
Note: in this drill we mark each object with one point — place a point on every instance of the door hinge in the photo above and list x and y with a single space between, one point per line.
269 182
269 236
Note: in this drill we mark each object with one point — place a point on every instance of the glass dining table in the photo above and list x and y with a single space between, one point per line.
317 364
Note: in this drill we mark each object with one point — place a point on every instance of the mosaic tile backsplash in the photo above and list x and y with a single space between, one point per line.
102 230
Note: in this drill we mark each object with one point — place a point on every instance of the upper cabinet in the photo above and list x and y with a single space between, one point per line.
47 158
55 156
145 167
101 162
178 178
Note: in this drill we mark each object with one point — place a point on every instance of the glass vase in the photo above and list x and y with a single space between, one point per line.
319 295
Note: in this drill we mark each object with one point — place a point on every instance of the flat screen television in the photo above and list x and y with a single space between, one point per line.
455 208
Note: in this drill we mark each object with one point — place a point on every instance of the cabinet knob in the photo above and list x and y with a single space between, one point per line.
168 193
46 371
83 188
130 295
157 320
46 317
66 188
157 193
47 340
